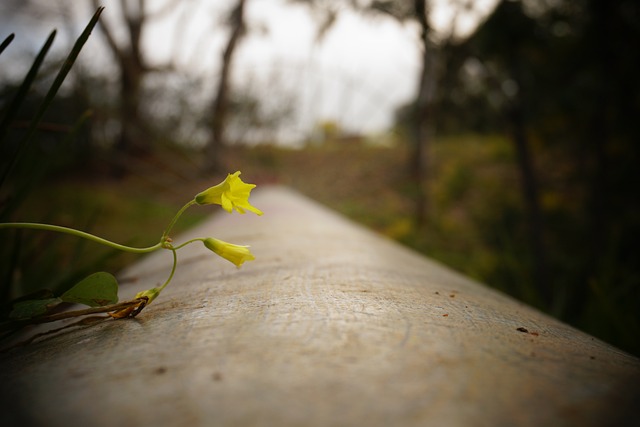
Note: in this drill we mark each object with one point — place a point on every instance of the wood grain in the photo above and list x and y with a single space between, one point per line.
332 325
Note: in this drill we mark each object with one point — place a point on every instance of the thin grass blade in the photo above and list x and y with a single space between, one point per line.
53 90
21 94
6 42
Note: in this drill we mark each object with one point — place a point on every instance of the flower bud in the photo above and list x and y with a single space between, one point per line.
236 254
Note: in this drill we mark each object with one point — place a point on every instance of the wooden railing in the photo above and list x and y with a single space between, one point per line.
331 325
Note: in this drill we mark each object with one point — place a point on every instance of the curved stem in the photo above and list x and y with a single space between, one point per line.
182 245
81 234
173 269
175 219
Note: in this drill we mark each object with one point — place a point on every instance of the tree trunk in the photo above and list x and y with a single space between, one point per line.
133 139
418 154
214 151
531 198
598 182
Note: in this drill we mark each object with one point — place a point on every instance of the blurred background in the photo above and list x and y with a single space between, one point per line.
499 137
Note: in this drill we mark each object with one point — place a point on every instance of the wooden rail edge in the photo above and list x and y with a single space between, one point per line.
330 325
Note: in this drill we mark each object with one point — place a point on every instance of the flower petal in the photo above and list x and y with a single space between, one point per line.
237 254
231 193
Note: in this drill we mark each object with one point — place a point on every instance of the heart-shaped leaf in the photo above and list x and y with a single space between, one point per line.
95 290
33 307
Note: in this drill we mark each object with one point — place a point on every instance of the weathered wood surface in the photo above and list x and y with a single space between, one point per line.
331 325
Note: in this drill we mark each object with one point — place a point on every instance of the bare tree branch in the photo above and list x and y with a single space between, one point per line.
108 35
219 109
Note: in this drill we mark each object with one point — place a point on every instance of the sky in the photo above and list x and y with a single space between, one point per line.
356 76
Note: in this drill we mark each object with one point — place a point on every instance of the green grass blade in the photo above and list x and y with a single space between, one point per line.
53 90
6 42
21 94
73 132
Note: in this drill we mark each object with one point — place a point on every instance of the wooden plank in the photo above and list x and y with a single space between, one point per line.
331 325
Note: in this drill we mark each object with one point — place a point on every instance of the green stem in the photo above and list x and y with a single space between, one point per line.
173 270
175 219
182 245
81 234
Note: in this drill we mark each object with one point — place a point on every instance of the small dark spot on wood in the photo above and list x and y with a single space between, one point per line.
592 357
77 374
445 315
535 334
452 295
364 290
217 376
437 293
160 370
521 329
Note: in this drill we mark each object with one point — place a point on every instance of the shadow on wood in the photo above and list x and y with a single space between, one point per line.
331 325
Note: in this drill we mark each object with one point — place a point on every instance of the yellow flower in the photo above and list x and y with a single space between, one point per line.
235 253
230 193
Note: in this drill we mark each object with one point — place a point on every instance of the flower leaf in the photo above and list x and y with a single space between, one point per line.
33 307
95 290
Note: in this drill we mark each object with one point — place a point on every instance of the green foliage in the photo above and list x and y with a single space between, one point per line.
570 70
51 93
101 289
476 219
33 307
18 177
95 290
21 94
98 289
